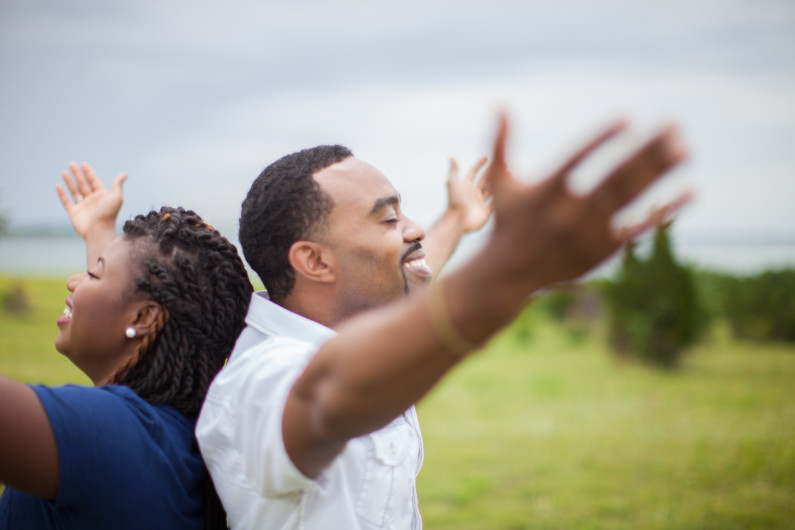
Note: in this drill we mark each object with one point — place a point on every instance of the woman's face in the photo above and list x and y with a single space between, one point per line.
102 305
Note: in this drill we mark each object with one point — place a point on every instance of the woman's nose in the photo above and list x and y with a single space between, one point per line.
74 280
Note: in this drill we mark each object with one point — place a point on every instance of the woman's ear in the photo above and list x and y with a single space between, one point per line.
313 261
147 312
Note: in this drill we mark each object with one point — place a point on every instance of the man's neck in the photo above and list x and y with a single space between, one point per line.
311 307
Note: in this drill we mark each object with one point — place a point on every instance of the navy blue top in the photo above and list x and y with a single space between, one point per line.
124 464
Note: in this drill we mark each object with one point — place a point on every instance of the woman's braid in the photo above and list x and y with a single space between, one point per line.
198 277
142 347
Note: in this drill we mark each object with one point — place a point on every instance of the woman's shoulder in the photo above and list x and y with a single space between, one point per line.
118 404
110 442
113 426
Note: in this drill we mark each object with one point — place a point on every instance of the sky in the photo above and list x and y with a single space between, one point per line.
194 98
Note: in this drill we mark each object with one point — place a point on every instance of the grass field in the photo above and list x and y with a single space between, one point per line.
545 430
27 351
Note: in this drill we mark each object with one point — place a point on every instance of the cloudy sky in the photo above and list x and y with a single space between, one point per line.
194 98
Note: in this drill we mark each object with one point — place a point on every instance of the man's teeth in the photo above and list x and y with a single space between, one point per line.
67 312
416 263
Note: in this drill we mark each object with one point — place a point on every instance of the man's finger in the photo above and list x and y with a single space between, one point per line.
498 170
657 216
476 168
453 174
562 173
641 169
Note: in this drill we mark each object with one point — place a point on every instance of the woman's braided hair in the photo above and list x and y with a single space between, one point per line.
199 279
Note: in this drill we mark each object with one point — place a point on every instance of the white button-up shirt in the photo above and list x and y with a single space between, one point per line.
371 484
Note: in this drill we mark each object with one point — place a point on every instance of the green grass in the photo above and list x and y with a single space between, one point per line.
554 433
549 431
27 347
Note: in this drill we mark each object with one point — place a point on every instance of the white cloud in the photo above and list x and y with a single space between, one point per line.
194 98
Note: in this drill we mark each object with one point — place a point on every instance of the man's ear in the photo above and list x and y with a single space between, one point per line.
146 313
313 261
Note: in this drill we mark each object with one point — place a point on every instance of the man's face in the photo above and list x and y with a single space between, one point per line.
377 248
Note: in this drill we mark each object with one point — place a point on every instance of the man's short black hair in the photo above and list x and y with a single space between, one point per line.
285 204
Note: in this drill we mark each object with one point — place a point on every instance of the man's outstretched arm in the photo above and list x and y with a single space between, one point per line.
382 362
468 209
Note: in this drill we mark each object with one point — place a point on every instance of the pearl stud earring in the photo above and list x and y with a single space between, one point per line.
130 332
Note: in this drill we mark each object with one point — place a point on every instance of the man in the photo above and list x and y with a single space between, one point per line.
306 428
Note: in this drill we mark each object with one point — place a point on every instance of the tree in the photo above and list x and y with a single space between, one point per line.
761 307
653 306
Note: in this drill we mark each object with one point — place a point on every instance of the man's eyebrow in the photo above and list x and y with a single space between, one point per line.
382 203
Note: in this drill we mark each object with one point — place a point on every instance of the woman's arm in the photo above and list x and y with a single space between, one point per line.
28 453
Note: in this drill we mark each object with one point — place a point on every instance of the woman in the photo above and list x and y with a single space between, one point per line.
150 322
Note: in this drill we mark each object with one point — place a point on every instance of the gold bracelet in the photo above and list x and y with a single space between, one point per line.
442 325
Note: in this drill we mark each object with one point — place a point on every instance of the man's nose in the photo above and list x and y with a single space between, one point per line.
412 231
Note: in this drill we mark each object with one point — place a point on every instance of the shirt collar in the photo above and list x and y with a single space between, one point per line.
273 319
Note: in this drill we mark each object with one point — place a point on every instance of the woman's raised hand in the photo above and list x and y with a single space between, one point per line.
91 206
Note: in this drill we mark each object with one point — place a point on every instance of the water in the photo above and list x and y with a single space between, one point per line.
54 256
741 257
49 256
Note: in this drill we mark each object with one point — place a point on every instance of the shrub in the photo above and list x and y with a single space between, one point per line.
761 307
654 310
16 301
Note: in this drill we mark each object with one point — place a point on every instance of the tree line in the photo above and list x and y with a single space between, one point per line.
656 308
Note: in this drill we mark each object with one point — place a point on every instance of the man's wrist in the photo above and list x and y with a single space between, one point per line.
484 295
454 217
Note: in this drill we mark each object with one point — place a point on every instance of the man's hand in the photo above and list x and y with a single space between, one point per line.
92 206
468 209
468 198
545 233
